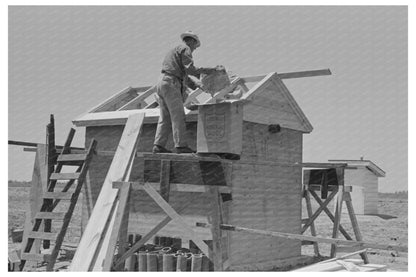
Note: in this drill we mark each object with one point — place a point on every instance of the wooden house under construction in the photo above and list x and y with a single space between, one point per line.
266 128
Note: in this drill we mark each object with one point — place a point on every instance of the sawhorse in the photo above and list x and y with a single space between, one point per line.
329 180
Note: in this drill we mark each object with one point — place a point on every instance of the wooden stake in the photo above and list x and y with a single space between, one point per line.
338 209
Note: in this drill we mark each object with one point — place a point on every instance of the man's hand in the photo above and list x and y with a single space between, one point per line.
199 84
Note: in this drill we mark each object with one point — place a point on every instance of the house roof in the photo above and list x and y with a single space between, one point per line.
268 102
363 163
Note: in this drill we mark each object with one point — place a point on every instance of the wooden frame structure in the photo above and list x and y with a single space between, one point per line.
125 189
116 109
321 180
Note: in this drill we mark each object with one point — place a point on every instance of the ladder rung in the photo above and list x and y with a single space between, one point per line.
64 176
50 215
72 157
73 151
58 195
42 235
35 257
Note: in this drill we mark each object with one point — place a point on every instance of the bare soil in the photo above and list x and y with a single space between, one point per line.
390 226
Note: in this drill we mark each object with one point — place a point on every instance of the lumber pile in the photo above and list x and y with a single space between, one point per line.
349 265
96 240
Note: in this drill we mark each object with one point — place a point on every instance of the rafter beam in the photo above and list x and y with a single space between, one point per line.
290 75
137 101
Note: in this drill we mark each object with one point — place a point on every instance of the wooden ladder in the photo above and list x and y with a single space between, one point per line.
52 198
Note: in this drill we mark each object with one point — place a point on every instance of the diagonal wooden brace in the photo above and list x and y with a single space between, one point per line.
176 217
318 211
330 215
309 211
354 223
150 234
122 215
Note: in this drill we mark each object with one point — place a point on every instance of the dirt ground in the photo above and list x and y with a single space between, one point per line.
390 227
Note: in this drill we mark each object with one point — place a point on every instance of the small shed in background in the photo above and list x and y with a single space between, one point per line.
364 182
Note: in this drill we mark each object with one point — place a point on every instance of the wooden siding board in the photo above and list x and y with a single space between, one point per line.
365 179
270 116
266 197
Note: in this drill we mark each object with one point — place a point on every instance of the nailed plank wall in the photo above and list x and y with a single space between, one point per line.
270 105
371 193
264 197
366 183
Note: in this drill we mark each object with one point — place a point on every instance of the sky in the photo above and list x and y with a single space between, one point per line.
63 60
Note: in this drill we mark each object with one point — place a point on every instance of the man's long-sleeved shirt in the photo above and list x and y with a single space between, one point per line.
179 62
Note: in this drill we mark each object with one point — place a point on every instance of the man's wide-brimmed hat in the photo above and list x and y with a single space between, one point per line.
192 35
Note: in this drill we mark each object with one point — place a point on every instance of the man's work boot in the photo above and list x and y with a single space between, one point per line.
157 149
179 150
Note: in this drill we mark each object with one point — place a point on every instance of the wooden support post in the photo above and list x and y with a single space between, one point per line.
216 219
354 223
51 160
338 208
309 211
38 186
119 232
165 179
